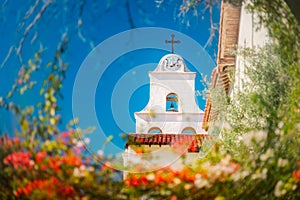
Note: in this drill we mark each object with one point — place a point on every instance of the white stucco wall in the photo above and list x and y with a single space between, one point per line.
154 114
251 35
169 123
157 158
180 83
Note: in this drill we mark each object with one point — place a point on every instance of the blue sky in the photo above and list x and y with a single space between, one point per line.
101 20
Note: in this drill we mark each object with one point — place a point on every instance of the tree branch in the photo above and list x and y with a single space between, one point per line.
29 27
131 23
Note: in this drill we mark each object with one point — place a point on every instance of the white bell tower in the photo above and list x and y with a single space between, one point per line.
172 108
172 115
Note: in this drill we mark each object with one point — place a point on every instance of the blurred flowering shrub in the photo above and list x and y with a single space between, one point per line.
202 181
41 162
56 169
257 157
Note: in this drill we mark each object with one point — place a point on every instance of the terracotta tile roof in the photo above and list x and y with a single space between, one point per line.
194 141
228 34
228 39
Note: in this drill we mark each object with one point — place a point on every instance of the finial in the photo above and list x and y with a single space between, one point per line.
172 42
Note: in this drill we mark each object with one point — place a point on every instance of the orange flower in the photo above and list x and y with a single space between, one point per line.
173 197
54 163
170 177
235 166
187 175
159 179
72 160
20 81
127 181
139 150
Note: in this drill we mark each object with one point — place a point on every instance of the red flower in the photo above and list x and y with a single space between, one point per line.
296 175
133 181
18 160
144 180
52 186
68 190
40 156
65 134
16 140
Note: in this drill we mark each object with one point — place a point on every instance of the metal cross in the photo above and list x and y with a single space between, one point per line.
173 42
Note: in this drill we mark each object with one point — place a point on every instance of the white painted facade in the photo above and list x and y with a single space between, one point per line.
171 76
251 35
157 158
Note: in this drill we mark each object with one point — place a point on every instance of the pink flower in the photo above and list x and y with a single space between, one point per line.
20 81
16 140
20 72
65 134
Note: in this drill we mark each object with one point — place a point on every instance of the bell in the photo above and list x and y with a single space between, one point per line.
172 108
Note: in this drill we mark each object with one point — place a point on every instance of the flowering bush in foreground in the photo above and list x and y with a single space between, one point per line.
187 183
267 174
257 158
69 175
57 169
50 188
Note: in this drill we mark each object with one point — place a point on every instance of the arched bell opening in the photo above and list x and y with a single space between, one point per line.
172 102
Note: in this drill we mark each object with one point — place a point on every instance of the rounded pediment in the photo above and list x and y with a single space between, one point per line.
172 62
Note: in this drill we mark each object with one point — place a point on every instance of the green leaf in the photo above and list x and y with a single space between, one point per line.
49 64
9 95
42 90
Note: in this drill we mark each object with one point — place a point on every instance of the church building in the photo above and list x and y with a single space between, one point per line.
171 123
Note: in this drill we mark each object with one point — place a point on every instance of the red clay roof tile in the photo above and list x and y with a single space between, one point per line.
193 140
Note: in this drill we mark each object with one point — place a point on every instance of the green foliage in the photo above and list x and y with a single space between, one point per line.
257 157
262 119
264 88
